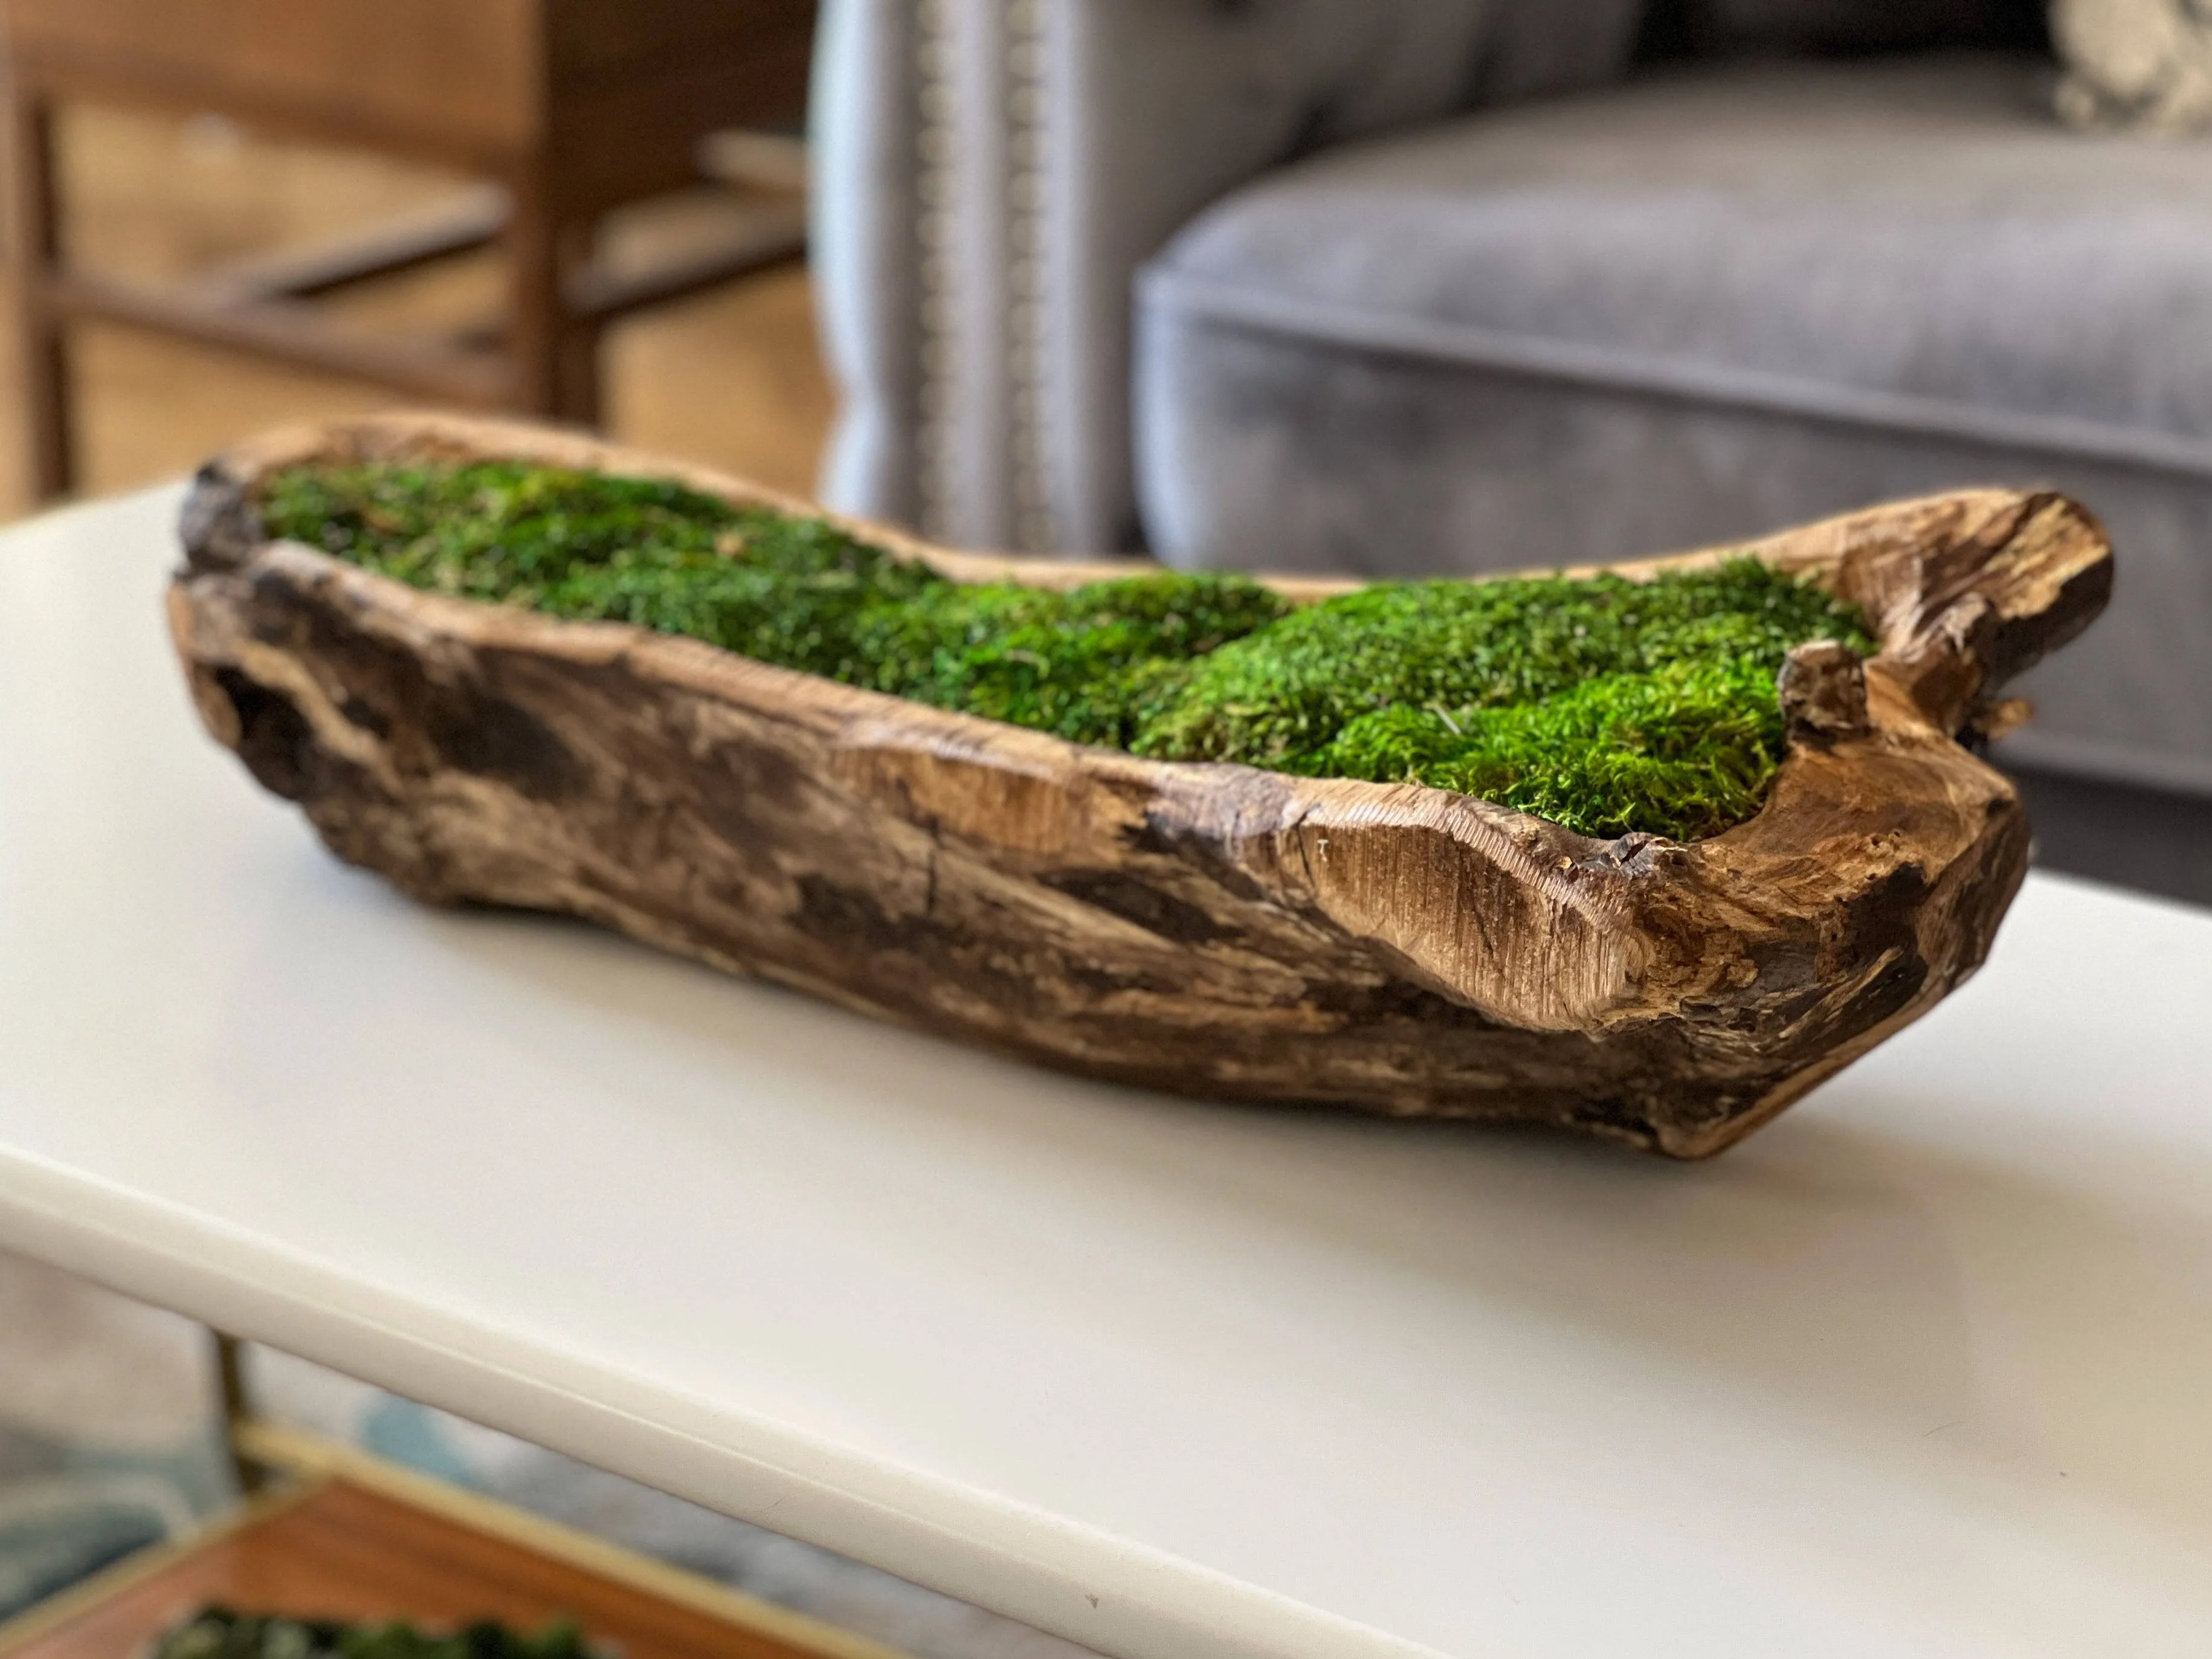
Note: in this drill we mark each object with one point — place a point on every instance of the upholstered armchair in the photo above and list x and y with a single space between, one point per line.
1405 286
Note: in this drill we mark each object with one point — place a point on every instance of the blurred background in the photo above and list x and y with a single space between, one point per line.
255 214
731 376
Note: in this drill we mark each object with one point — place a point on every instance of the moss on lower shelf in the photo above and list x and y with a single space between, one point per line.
218 1632
1606 705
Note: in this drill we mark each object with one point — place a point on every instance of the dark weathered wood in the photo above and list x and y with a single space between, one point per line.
1210 929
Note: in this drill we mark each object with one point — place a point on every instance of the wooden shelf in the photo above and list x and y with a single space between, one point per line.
349 1537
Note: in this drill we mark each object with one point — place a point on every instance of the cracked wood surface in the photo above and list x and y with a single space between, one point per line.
1213 930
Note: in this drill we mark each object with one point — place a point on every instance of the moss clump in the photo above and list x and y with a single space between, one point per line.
1605 705
796 592
217 1632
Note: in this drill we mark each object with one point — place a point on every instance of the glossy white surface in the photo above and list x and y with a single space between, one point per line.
1923 1370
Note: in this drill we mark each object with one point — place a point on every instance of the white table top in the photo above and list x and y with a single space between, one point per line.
1923 1370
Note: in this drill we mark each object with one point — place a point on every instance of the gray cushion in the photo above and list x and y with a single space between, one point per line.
1919 227
1696 309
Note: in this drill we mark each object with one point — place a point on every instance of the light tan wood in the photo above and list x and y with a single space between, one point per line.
289 331
463 81
42 1619
1211 929
370 1550
280 1447
463 222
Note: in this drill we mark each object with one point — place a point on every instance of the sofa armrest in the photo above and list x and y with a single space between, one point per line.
991 174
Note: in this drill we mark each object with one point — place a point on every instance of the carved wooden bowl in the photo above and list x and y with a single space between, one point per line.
1213 930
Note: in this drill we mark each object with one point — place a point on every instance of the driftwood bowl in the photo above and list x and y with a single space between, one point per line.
1213 930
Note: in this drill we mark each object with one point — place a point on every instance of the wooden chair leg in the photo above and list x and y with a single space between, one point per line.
580 373
42 363
534 308
555 353
579 359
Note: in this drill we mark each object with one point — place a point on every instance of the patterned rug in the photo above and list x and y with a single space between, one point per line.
107 1444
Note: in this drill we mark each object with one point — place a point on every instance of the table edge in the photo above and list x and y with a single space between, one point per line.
1118 1597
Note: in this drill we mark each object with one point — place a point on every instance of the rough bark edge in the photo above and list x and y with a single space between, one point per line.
1964 590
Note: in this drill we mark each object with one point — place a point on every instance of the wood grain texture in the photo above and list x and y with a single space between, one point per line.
345 1552
468 77
1213 930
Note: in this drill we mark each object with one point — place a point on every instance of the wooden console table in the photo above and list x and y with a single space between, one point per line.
571 108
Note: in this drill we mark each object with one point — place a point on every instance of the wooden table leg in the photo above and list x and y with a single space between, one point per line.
555 351
577 392
533 318
237 1410
34 242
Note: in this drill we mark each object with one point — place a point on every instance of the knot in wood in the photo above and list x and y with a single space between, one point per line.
1823 690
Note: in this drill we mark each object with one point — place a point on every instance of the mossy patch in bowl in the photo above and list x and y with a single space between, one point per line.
1603 704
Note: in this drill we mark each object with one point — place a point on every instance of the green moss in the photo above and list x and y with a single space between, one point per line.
1605 705
795 591
217 1632
1691 745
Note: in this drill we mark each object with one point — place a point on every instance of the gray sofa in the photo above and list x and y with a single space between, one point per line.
1409 286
